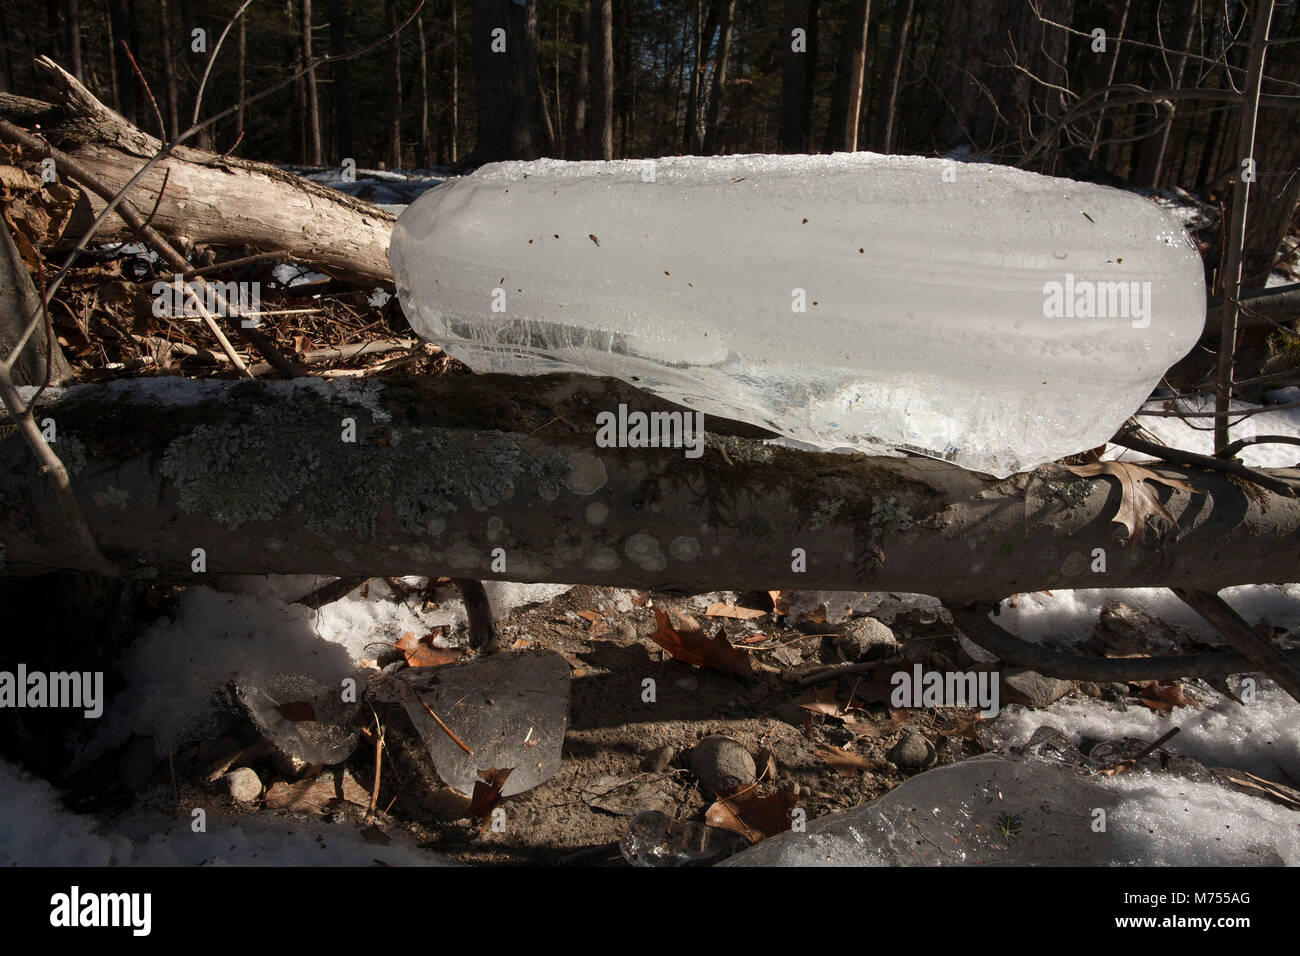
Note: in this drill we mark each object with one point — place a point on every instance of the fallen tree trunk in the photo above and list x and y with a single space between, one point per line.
219 200
500 477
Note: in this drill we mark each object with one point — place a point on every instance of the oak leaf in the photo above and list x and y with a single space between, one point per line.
1137 503
690 645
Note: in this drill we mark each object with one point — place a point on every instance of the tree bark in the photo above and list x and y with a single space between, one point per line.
893 75
442 472
600 124
394 57
713 115
72 23
575 136
120 13
692 142
507 98
342 103
794 77
422 152
850 70
314 152
220 200
19 302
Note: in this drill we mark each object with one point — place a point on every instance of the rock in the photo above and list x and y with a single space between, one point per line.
657 760
1090 689
912 752
1019 685
866 639
243 784
722 765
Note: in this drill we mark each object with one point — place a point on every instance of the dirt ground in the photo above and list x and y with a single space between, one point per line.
612 731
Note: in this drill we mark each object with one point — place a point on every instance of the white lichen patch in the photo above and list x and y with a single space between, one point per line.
587 473
596 513
643 550
684 548
602 559
888 517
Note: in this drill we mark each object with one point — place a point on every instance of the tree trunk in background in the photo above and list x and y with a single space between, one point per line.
312 104
810 74
713 115
72 24
530 66
846 95
1276 191
794 77
393 54
507 91
600 124
1118 57
342 104
893 76
691 141
193 64
241 75
983 98
422 150
1154 149
167 46
120 13
454 120
576 134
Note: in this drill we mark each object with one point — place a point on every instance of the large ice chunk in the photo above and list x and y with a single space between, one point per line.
992 316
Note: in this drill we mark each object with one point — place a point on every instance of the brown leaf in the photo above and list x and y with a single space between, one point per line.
780 606
297 710
753 817
844 763
597 623
1137 503
487 794
1163 697
898 719
723 609
690 646
423 653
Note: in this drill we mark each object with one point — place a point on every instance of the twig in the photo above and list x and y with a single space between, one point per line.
1225 465
447 730
1268 657
1141 755
329 593
975 624
1262 11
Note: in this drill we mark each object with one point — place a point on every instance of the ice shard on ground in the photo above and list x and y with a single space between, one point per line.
991 316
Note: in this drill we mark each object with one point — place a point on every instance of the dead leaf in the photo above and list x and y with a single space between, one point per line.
898 719
844 763
723 609
690 645
780 605
487 794
298 711
1137 503
1163 697
423 653
597 623
753 817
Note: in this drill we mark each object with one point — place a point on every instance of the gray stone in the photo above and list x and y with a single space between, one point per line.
722 765
866 639
1020 685
912 752
243 784
657 760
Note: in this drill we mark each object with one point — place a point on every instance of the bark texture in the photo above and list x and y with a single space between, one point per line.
442 473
